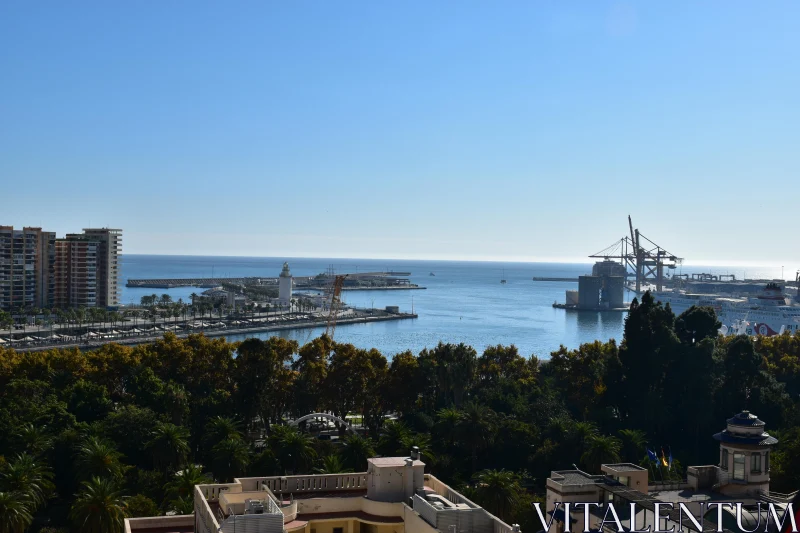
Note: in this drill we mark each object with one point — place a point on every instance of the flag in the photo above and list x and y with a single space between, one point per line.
663 458
651 455
670 458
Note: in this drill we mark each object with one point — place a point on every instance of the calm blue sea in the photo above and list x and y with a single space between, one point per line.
463 302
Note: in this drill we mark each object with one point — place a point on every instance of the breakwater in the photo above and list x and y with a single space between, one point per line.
353 281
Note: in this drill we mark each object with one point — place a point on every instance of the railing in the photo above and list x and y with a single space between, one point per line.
212 492
777 497
481 520
502 527
319 483
205 522
447 492
723 478
668 485
425 510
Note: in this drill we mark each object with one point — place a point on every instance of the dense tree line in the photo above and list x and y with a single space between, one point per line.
87 438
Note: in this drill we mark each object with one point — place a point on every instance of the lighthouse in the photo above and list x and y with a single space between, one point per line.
285 285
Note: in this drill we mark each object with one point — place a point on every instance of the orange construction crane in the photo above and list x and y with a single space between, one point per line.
335 306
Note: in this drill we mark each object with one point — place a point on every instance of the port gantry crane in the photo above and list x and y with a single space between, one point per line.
646 258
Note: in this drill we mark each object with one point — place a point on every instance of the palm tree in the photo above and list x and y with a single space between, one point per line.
169 445
33 439
447 421
600 449
166 299
393 438
332 464
15 513
231 457
30 478
477 427
182 505
633 444
295 450
98 507
221 428
356 451
421 441
182 485
99 458
498 491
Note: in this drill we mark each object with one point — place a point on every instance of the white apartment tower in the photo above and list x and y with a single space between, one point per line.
108 270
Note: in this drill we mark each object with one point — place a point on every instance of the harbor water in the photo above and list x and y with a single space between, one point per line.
463 301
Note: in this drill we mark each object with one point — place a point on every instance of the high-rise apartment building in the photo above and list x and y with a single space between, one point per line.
77 272
108 271
39 271
27 268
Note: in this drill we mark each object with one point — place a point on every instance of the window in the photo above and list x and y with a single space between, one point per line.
724 464
766 462
338 530
755 463
738 466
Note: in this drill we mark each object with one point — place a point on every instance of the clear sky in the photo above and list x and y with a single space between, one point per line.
433 129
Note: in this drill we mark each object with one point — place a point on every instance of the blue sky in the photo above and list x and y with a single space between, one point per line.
471 130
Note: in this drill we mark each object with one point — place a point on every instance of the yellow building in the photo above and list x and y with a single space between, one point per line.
394 495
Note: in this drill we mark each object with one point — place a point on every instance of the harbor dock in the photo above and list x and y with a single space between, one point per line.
129 334
573 307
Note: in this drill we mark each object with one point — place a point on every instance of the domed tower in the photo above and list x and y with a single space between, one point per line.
285 285
744 448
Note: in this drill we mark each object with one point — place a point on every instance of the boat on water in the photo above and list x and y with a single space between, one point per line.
503 279
771 312
431 274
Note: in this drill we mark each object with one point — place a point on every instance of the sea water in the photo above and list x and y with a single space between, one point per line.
463 301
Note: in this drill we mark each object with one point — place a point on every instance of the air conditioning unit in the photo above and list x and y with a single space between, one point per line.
253 507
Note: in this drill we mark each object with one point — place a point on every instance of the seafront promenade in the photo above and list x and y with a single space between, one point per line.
130 333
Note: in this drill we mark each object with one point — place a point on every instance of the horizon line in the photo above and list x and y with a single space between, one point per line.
512 259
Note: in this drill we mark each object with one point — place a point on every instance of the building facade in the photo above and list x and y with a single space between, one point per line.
108 269
76 264
27 268
394 495
39 271
742 476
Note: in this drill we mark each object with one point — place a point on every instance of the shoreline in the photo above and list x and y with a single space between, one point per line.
215 332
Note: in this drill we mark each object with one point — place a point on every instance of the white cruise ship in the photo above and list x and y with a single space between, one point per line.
770 313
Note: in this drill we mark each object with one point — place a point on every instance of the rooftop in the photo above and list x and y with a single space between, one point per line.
745 418
395 491
624 467
575 477
762 439
393 461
